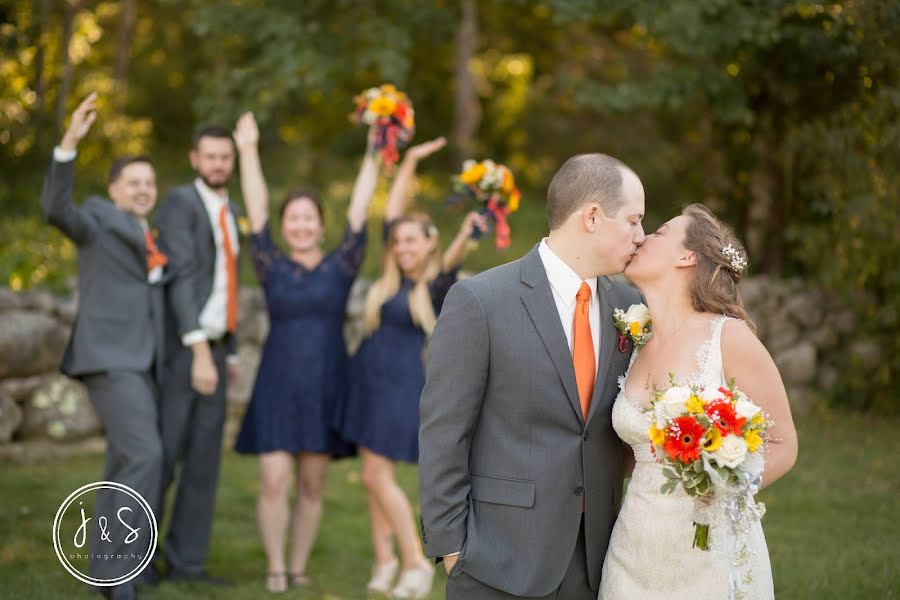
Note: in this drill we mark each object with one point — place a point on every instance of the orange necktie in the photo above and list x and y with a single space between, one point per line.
155 258
583 348
230 270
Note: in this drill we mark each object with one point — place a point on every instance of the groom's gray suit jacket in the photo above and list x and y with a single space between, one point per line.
120 321
506 459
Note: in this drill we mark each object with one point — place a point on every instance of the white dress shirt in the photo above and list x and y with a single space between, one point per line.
63 156
565 284
214 316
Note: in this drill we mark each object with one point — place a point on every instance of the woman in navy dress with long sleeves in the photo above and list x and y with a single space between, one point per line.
303 369
387 375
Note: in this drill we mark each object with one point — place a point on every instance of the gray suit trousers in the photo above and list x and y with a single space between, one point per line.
125 401
191 426
574 586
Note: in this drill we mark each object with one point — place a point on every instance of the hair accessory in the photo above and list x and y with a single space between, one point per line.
735 258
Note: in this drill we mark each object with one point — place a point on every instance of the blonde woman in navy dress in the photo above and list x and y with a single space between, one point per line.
387 376
302 372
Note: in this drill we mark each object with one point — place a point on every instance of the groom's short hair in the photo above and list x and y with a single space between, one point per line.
585 178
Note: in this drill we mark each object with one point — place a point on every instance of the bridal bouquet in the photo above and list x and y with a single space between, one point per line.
391 112
493 187
710 440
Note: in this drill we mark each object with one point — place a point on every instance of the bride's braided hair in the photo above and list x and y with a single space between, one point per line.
715 285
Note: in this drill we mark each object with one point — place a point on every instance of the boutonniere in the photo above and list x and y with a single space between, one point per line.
243 225
633 324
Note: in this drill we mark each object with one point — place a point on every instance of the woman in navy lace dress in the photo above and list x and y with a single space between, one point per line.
387 377
302 372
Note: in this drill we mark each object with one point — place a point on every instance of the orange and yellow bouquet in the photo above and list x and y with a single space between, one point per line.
391 112
493 188
710 444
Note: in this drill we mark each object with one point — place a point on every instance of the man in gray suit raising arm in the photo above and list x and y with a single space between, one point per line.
198 230
116 346
520 471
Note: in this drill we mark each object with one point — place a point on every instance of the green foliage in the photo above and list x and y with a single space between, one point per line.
34 255
779 114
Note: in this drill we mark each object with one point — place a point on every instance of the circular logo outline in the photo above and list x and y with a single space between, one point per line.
90 487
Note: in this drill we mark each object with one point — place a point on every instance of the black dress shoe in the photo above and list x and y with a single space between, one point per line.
198 577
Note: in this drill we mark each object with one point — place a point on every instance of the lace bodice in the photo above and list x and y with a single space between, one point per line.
631 422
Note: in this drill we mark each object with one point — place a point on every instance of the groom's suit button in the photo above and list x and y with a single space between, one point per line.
579 491
586 436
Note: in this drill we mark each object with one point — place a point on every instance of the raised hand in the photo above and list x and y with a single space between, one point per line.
474 220
425 149
246 132
82 119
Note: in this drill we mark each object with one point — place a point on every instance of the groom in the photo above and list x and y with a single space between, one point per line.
520 469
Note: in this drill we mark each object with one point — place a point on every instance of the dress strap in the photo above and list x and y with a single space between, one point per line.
709 357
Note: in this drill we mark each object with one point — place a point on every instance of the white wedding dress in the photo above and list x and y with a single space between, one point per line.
650 554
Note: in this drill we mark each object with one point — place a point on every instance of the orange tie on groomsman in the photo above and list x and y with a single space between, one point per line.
155 258
230 270
583 348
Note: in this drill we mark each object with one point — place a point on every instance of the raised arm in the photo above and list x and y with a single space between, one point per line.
746 360
363 188
400 192
253 183
56 197
458 249
456 379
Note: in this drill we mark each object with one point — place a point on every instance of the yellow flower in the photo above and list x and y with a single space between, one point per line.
509 183
388 88
383 107
657 436
695 405
243 225
759 419
635 328
753 439
514 198
712 440
473 174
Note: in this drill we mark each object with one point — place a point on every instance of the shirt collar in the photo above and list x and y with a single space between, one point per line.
562 278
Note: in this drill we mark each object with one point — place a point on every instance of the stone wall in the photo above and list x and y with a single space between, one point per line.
44 414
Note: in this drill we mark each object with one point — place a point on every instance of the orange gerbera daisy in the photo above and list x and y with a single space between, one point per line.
724 417
683 439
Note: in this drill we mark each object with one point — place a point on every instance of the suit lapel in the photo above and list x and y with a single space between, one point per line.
125 227
608 343
541 307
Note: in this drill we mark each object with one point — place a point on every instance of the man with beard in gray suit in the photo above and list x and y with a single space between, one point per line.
520 471
198 231
116 346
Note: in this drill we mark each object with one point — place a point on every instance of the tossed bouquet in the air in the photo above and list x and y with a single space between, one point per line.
390 111
493 189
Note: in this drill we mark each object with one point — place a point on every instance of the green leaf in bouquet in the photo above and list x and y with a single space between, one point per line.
668 487
670 474
703 487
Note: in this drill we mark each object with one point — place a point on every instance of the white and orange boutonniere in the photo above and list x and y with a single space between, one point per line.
633 324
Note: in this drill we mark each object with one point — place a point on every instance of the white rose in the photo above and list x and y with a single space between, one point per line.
638 313
468 164
672 404
732 451
744 408
709 394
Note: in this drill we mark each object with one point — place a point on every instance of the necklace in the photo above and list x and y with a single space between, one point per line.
674 335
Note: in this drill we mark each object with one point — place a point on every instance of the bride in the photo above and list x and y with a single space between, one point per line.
702 335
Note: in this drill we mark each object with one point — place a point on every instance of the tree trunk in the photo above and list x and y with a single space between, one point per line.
65 83
127 18
43 11
466 108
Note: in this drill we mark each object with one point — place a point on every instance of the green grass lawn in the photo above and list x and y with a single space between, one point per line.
831 524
